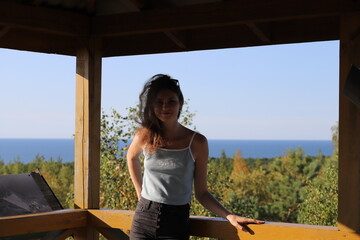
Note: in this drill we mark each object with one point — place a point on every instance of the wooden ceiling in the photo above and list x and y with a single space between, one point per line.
129 27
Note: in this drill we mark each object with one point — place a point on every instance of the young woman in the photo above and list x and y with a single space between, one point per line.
175 160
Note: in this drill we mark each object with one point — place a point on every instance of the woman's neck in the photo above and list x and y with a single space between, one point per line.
171 130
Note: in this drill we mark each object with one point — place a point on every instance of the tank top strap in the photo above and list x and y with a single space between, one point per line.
192 138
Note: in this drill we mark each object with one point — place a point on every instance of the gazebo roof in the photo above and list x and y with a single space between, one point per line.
129 27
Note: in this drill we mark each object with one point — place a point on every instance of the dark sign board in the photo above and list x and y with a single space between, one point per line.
25 194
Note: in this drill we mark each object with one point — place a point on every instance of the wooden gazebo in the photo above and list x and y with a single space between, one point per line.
93 29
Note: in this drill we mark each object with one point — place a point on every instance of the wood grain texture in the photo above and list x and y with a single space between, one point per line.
41 222
220 228
84 220
42 19
87 126
87 131
349 129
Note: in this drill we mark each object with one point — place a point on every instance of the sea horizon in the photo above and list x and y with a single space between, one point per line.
25 149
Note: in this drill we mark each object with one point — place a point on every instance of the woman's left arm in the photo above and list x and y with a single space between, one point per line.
200 151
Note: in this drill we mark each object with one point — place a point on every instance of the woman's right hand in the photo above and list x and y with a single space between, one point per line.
243 222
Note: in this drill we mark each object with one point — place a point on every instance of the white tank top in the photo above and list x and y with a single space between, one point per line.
168 175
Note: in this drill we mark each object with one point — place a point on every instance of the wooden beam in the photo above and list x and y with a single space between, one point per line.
78 220
307 30
90 7
113 234
176 38
23 39
220 228
4 30
37 2
108 218
42 222
131 5
87 129
215 15
349 129
87 126
225 37
43 19
65 234
259 33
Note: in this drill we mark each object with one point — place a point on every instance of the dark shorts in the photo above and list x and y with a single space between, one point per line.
153 220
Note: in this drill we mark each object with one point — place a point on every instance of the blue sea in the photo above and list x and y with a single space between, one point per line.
25 150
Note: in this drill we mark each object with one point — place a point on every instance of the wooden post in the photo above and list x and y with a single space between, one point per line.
349 129
87 129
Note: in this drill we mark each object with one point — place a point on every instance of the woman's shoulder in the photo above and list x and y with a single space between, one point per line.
197 138
199 146
200 138
141 135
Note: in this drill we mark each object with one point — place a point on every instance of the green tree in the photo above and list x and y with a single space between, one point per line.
239 166
320 205
289 175
335 138
249 196
116 190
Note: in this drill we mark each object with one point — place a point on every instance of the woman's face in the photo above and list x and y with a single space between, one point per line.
167 106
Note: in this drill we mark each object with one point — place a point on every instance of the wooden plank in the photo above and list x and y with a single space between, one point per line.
220 228
24 39
211 36
90 7
65 234
296 31
38 2
177 38
87 126
42 222
281 32
107 218
84 220
113 234
215 15
259 32
349 129
87 130
4 30
43 19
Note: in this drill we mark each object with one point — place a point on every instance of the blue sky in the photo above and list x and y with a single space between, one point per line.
271 92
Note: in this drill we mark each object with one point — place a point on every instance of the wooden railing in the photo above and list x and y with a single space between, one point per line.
105 220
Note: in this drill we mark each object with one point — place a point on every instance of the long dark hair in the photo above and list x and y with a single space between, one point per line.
151 125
